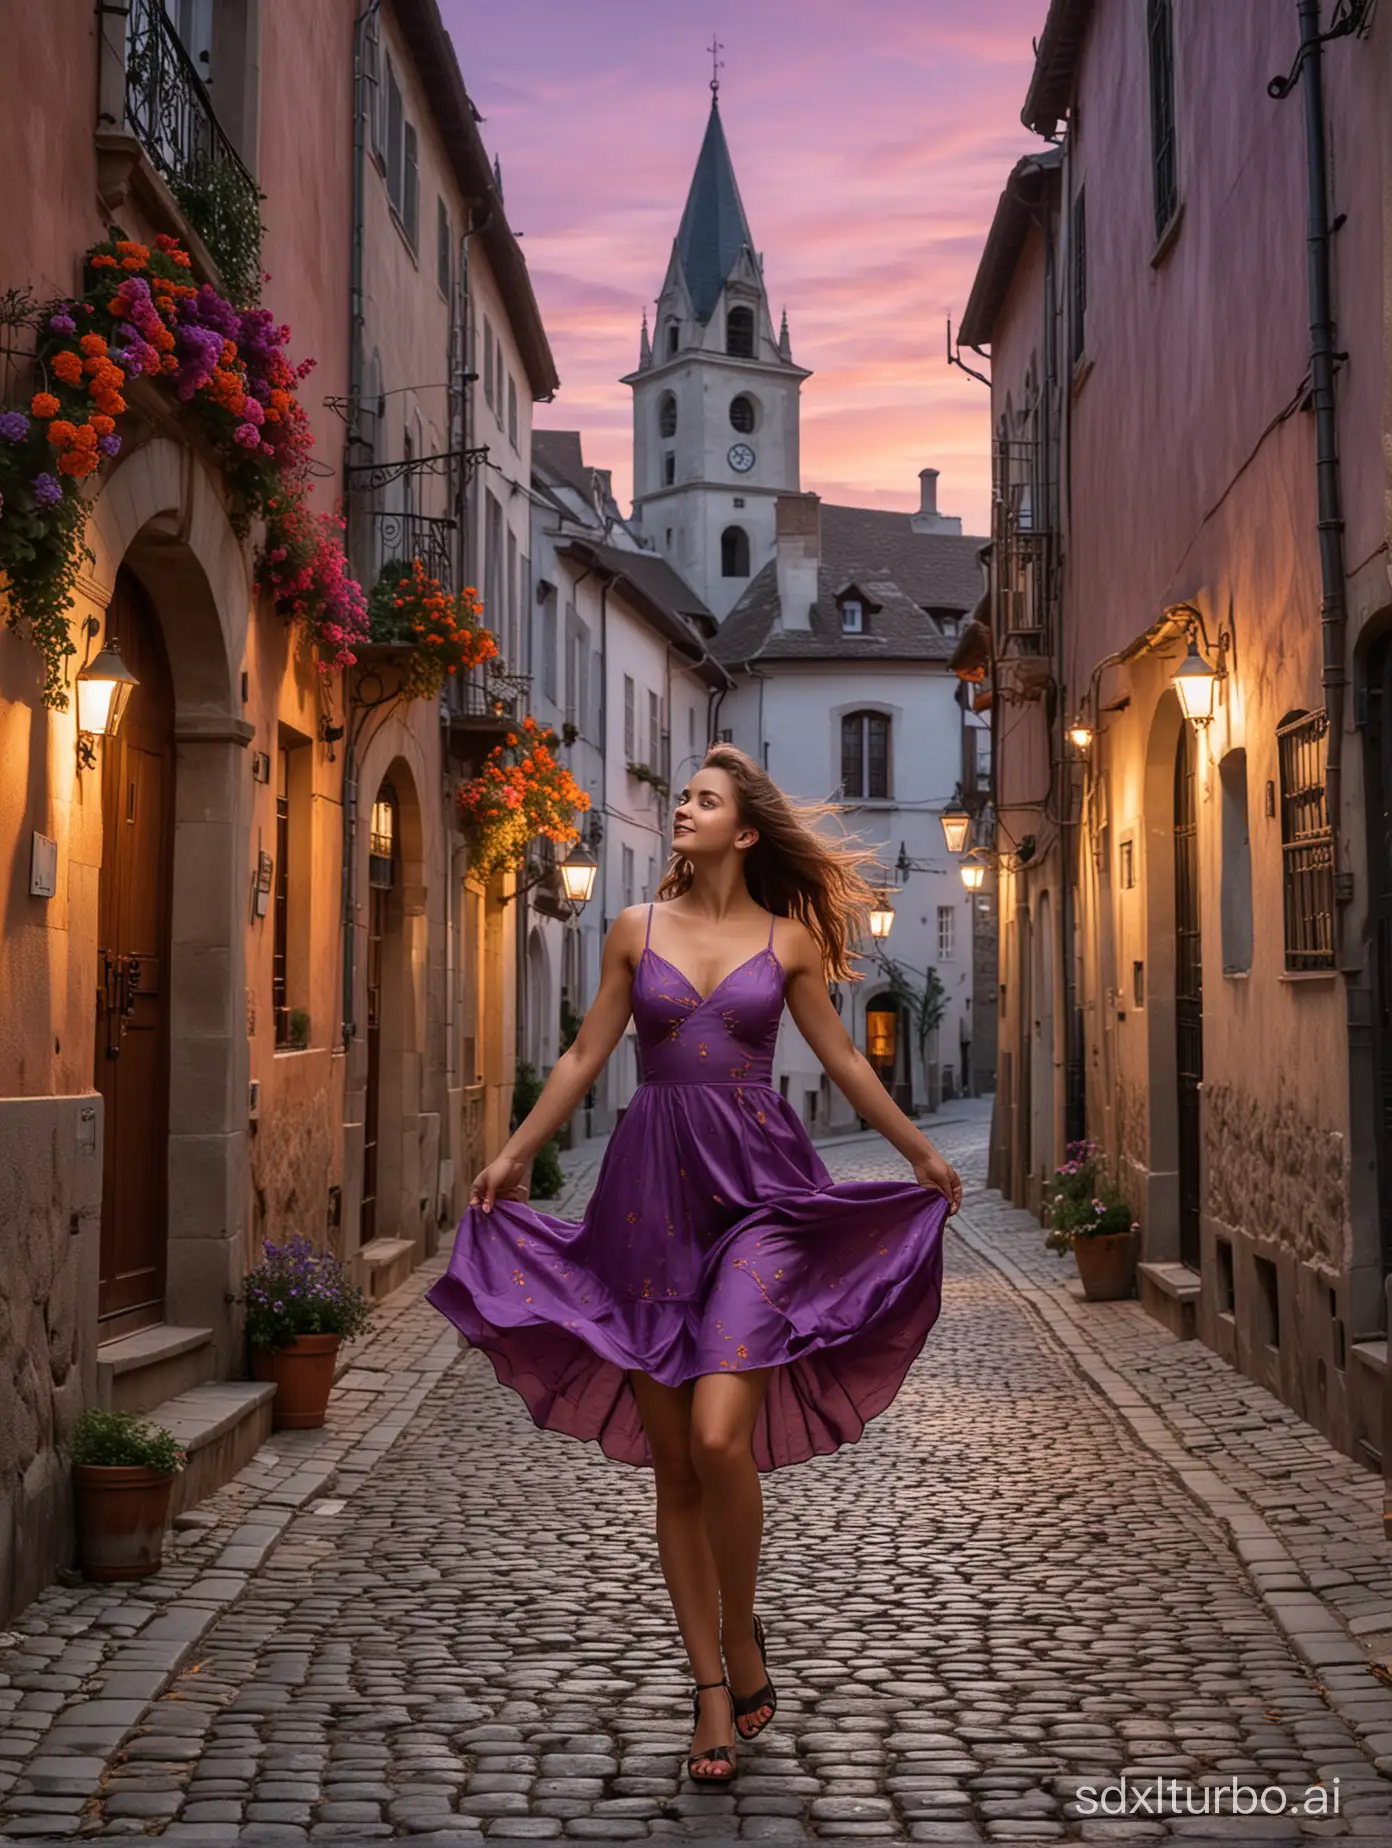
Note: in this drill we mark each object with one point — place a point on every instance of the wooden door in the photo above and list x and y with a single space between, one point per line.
132 974
1188 990
372 1109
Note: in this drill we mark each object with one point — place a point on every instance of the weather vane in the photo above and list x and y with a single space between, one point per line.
717 64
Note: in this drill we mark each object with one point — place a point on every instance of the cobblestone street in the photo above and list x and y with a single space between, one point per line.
1073 1548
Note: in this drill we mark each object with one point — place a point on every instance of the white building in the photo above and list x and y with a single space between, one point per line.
837 624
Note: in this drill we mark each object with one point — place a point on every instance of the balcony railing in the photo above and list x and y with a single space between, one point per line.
1024 557
381 537
168 110
483 697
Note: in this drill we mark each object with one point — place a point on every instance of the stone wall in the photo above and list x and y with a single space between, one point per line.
50 1241
1273 1174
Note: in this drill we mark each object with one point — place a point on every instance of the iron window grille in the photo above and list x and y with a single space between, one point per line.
1024 549
1160 32
1307 843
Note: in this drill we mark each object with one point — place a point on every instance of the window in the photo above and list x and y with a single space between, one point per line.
493 593
667 415
444 240
548 647
947 933
512 410
626 875
651 886
488 359
596 689
1307 842
865 755
691 730
410 186
1237 866
280 951
572 666
673 339
1164 170
630 720
1126 865
852 614
372 82
654 733
742 414
669 469
734 552
514 641
395 121
1079 263
739 333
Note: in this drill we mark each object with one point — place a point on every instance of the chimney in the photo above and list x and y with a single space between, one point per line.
928 519
798 526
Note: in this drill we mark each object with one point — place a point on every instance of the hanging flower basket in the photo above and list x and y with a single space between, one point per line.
226 367
439 633
521 792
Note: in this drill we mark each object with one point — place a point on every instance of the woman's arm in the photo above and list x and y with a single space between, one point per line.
810 1004
600 1031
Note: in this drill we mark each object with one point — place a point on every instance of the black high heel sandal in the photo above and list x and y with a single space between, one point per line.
767 1695
718 1754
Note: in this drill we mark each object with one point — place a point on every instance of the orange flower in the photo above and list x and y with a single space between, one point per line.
78 462
93 345
103 263
68 367
182 258
61 433
44 404
103 425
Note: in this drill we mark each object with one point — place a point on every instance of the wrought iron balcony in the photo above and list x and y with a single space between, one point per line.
488 698
167 108
1024 553
381 537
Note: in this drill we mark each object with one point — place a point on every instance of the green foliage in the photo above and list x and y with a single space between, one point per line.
224 208
124 1440
1081 1200
926 1006
385 621
646 774
298 1289
546 1175
299 1028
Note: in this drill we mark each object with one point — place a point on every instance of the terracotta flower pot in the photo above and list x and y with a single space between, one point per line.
1106 1265
122 1512
303 1373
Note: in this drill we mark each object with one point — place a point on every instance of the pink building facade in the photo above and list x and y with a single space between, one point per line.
1195 914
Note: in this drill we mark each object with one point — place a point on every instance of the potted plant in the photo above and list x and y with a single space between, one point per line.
300 1304
123 1477
298 1029
1087 1214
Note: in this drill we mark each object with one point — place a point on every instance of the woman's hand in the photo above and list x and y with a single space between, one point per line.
506 1177
933 1171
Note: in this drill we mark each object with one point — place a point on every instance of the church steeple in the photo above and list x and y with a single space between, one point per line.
714 232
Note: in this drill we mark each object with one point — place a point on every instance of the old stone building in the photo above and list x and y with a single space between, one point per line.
1188 659
250 989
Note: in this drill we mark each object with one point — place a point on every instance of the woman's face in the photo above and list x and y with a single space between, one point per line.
705 822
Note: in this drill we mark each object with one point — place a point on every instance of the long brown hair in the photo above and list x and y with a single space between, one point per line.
793 869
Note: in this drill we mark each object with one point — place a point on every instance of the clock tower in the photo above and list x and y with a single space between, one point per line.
715 396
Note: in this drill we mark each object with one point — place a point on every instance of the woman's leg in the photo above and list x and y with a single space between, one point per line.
684 1550
724 1409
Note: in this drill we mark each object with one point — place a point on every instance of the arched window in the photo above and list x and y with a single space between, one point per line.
673 338
742 414
734 552
865 754
667 415
739 333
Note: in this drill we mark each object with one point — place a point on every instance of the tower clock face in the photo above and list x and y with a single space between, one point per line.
740 458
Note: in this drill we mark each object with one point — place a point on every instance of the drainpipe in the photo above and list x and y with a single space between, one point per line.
355 360
1333 604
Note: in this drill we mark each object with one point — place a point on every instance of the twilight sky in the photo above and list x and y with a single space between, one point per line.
870 141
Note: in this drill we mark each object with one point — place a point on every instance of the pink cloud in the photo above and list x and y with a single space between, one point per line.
870 144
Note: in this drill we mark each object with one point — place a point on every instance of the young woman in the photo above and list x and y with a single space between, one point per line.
724 1307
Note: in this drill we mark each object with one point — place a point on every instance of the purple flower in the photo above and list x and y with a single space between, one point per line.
62 322
247 435
48 490
109 445
14 426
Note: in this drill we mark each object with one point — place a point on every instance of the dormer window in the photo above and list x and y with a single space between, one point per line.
739 333
852 616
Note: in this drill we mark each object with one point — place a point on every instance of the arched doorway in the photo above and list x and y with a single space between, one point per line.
133 991
1188 990
884 1040
382 877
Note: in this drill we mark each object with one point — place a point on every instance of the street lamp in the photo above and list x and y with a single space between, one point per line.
956 827
577 872
881 917
104 688
973 872
1194 682
1080 734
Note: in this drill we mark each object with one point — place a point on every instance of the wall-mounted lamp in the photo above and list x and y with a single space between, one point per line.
1080 735
973 870
956 827
577 872
1196 679
104 687
881 917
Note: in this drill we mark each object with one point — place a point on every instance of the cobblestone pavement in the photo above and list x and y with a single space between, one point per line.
432 1620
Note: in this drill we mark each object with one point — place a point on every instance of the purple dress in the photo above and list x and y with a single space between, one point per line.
715 1240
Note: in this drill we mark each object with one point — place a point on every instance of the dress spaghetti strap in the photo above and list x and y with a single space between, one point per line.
649 929
773 919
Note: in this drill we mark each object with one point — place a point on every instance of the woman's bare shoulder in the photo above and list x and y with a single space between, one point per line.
797 949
